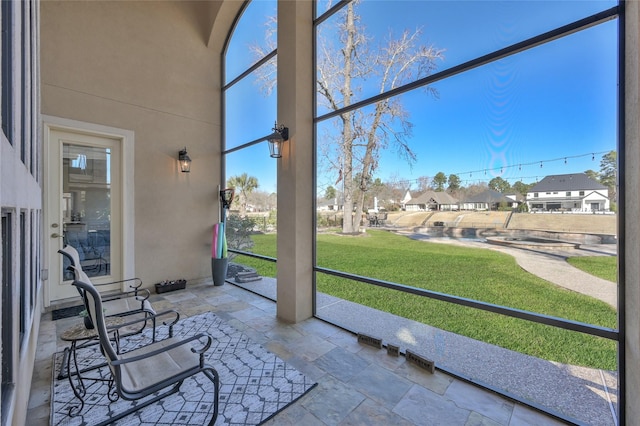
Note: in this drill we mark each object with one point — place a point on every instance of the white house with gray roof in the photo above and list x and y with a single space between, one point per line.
432 200
574 192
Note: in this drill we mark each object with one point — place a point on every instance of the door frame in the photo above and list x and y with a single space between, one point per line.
127 152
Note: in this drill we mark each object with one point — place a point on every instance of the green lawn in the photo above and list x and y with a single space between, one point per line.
474 273
604 267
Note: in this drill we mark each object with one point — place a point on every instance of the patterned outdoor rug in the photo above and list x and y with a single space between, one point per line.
254 383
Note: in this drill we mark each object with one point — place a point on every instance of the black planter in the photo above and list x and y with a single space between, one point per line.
219 270
166 286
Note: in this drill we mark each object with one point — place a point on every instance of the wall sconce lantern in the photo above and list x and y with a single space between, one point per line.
184 160
276 139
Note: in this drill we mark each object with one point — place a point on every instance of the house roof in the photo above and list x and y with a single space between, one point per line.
514 196
569 182
433 197
488 196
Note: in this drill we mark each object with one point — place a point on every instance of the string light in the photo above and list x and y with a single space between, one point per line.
408 182
539 162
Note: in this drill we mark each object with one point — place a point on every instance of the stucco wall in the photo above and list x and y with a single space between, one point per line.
630 232
146 67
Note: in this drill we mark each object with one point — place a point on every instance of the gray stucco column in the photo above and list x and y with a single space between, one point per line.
295 168
631 236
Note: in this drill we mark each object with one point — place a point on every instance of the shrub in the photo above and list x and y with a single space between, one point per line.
239 230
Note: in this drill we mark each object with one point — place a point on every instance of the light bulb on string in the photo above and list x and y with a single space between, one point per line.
533 162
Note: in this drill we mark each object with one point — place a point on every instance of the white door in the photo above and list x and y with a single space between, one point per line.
84 187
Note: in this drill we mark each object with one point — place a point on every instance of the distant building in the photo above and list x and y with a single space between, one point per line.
405 200
489 200
432 200
575 192
327 205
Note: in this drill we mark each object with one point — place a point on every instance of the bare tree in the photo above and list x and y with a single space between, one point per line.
396 188
424 183
475 188
262 200
352 152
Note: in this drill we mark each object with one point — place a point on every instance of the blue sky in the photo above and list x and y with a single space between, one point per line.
552 102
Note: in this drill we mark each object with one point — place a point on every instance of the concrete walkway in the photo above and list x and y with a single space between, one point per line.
554 268
552 265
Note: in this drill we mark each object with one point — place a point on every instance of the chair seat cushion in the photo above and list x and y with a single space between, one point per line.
139 375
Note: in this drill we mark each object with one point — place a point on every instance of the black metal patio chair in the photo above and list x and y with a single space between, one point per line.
126 303
149 369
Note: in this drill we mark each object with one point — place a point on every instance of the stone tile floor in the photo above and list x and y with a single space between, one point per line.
357 384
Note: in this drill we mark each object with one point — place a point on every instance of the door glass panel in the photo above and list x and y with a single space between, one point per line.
86 207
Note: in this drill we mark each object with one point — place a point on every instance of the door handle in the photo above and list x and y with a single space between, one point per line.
55 235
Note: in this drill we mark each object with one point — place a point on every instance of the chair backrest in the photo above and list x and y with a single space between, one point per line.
93 305
71 253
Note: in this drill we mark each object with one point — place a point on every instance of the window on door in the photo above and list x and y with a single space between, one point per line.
86 207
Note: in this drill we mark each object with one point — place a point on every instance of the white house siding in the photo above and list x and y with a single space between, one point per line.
595 201
550 195
474 206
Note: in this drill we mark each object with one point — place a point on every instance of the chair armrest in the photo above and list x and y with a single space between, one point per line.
197 337
140 295
137 283
146 318
144 297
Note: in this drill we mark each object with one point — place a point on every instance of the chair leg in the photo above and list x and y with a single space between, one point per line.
112 392
138 407
212 374
153 332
